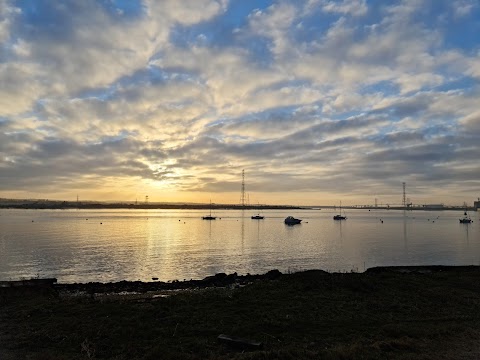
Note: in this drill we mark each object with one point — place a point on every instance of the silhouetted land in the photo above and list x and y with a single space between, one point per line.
384 313
50 204
92 205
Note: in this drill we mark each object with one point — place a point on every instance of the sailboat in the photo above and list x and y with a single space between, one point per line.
209 216
258 216
466 219
340 216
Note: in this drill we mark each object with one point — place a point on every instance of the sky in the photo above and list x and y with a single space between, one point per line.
318 101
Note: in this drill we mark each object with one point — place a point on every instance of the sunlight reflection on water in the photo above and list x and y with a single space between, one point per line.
114 245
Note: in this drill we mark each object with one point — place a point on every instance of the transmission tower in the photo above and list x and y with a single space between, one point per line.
242 196
404 202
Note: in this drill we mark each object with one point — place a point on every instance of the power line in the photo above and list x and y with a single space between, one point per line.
242 196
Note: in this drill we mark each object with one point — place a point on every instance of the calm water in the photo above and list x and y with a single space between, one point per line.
178 244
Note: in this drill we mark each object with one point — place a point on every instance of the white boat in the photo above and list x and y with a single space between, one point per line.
258 216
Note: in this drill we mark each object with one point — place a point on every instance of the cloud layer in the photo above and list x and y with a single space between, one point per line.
317 100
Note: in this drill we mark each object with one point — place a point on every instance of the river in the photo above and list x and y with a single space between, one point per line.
114 245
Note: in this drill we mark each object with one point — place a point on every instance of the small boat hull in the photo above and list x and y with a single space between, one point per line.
465 221
290 220
339 217
209 217
257 217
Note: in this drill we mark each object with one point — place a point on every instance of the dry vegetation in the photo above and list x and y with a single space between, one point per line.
308 315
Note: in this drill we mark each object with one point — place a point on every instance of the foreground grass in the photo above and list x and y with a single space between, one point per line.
309 315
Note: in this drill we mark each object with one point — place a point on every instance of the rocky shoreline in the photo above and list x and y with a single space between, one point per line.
218 280
92 289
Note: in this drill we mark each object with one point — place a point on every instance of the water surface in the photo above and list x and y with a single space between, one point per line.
114 245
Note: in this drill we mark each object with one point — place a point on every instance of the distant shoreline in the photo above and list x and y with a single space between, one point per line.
94 206
72 205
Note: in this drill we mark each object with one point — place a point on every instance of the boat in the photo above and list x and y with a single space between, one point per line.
209 216
466 219
340 216
258 216
290 220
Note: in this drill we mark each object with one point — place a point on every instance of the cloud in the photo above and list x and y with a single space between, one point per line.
274 23
471 123
352 7
318 95
462 8
83 46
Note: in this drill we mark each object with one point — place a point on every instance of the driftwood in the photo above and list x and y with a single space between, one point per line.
239 343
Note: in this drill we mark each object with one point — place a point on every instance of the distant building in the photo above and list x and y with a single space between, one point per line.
476 204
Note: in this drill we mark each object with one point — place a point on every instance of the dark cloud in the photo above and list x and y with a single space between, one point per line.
66 160
409 107
400 138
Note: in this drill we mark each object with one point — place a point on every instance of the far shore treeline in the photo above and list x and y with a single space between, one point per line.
60 204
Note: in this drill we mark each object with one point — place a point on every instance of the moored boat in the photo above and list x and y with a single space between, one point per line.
340 216
257 217
466 219
290 220
209 216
